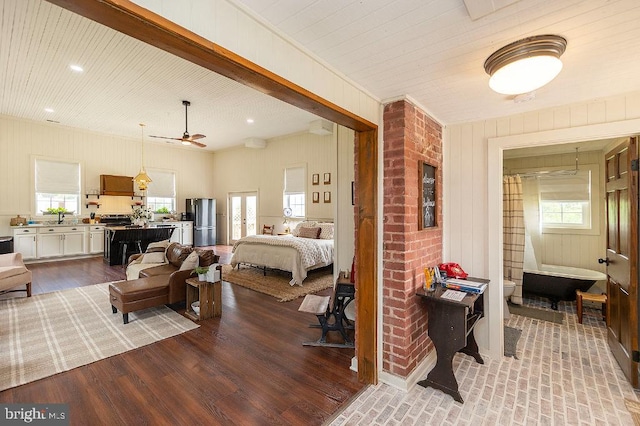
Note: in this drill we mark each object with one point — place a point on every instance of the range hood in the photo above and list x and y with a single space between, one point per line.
116 185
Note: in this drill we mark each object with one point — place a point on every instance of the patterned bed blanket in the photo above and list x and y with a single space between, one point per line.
287 253
312 252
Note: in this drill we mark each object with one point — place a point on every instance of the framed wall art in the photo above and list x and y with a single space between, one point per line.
316 197
327 197
427 196
327 178
315 179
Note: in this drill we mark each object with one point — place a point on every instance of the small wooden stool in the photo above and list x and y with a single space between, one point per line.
590 297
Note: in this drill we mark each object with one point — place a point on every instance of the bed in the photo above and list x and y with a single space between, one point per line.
296 253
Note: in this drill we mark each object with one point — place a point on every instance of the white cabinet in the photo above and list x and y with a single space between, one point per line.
60 241
95 244
187 233
176 235
24 241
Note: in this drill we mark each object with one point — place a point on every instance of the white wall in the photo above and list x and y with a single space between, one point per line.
472 181
23 140
262 170
236 29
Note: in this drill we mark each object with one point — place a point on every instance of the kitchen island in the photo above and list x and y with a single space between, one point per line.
114 236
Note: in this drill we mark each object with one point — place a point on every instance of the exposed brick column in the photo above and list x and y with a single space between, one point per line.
410 138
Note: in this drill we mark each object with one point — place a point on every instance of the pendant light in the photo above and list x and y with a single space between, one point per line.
142 178
525 65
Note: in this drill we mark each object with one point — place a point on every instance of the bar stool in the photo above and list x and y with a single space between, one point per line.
124 246
590 297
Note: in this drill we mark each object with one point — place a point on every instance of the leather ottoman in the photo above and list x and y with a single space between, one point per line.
135 295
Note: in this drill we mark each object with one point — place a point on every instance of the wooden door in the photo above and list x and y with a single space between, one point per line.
622 256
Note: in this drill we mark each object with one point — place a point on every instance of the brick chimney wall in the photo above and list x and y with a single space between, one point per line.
411 137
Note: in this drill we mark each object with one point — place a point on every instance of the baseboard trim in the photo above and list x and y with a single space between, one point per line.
418 373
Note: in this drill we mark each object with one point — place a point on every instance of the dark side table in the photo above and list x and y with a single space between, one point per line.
451 326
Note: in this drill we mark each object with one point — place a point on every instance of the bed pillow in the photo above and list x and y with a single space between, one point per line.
305 224
191 262
309 233
153 257
326 231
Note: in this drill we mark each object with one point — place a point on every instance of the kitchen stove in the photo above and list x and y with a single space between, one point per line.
115 220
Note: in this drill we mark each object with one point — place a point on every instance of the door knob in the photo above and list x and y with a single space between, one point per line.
605 261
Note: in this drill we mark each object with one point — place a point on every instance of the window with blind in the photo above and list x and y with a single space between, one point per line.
295 184
161 194
57 186
565 201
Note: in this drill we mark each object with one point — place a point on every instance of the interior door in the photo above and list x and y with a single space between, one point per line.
243 216
622 256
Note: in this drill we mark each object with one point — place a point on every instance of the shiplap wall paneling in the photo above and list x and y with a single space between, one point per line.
221 21
345 224
23 140
262 170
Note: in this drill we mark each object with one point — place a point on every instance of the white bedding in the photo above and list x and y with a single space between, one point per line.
287 253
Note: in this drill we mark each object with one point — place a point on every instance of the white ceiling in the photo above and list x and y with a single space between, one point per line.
430 50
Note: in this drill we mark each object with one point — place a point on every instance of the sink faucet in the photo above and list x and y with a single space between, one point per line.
60 217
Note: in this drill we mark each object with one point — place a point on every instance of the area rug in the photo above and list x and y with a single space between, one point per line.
526 311
55 332
276 283
634 409
511 337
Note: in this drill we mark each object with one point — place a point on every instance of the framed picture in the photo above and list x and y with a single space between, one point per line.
316 197
427 196
327 178
327 197
315 179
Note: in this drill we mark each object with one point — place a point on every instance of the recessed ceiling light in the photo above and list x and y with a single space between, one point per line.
48 109
76 68
249 120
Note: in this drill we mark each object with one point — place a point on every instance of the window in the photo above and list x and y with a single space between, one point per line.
294 190
161 194
565 201
57 186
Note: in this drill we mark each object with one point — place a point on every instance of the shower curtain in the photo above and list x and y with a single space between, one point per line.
513 233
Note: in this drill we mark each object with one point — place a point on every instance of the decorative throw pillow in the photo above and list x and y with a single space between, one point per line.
326 231
309 233
153 257
305 224
158 246
191 262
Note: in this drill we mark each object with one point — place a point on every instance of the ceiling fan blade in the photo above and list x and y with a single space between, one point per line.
197 136
201 145
165 137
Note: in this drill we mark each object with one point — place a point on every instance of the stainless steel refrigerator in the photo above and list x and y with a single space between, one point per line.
202 211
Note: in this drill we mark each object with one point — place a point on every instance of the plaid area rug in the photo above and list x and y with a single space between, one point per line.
55 332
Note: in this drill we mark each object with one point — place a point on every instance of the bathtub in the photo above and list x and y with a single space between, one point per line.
558 282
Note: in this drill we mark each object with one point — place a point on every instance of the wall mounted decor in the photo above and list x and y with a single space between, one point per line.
316 197
327 178
327 197
427 196
315 179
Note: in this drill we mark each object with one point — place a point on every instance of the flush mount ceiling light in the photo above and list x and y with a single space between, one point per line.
525 65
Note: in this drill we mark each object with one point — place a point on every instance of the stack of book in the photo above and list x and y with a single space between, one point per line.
465 285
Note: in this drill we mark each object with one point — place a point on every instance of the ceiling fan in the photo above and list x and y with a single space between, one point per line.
186 139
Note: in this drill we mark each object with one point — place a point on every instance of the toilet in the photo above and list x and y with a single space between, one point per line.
508 288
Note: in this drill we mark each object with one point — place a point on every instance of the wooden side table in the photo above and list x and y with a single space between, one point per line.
208 294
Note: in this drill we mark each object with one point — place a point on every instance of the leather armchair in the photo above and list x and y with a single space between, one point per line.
13 273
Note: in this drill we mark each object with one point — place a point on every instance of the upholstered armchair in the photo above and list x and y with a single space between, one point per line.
13 273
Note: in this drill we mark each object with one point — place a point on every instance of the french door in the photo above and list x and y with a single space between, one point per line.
243 215
622 256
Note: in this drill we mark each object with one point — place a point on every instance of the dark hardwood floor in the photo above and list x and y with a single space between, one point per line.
247 367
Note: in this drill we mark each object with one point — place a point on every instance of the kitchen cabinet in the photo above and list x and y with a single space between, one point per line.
176 237
95 244
24 241
60 241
